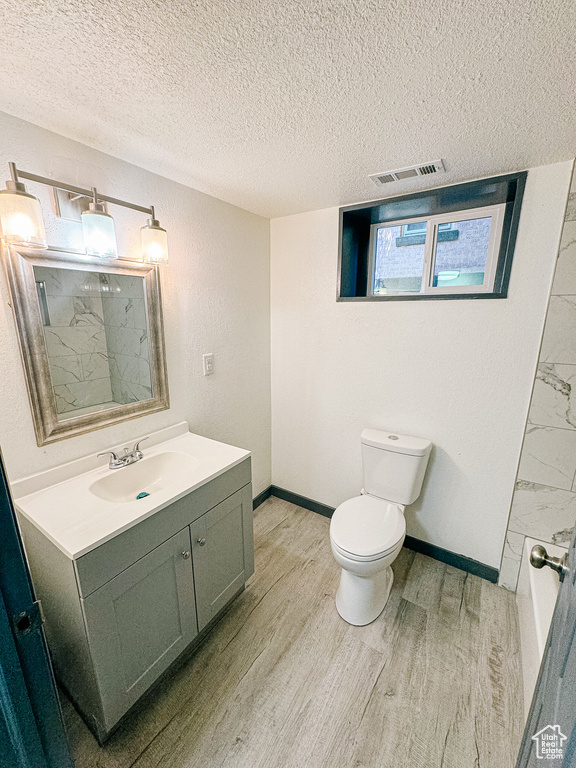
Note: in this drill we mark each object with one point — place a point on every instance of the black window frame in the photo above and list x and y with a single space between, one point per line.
356 220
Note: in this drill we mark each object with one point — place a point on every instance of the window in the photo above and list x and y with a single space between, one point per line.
416 257
452 242
420 227
416 228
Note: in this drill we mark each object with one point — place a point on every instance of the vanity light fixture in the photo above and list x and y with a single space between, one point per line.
20 214
98 229
21 220
154 242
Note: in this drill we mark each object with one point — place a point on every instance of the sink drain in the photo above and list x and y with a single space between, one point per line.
142 495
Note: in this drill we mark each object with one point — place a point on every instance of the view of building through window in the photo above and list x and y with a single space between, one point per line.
463 261
397 267
460 255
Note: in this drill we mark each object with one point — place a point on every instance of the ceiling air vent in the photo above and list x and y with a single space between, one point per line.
384 179
437 166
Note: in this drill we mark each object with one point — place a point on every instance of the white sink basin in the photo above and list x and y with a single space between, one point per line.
82 504
146 476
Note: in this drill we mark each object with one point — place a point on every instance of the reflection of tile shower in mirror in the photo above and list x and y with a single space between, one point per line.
96 339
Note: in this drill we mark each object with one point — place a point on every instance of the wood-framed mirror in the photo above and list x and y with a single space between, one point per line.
91 338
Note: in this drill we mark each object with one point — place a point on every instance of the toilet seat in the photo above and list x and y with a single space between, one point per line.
367 528
352 558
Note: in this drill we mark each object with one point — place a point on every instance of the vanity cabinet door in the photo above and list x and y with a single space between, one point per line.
139 622
222 550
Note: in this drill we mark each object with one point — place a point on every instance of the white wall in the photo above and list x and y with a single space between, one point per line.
457 372
215 297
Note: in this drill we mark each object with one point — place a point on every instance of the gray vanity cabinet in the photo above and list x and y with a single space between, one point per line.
222 556
119 615
139 622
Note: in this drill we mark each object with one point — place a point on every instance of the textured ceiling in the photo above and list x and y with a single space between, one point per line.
282 107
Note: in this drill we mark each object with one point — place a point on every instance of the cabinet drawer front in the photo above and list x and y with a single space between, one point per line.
218 546
139 622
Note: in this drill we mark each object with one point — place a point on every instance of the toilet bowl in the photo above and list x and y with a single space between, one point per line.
366 535
367 531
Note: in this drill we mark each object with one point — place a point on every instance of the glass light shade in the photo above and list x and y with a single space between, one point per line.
154 244
21 220
99 234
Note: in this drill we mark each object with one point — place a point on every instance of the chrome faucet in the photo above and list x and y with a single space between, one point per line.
127 458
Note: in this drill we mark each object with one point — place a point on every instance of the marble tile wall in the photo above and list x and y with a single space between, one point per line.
75 338
97 339
124 312
544 501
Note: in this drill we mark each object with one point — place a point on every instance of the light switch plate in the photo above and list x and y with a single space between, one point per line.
208 363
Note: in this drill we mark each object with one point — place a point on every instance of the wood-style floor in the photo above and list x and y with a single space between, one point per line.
282 681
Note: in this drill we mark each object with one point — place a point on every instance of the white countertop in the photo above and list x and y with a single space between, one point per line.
77 521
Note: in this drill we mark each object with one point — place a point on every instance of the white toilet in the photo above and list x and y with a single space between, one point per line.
367 531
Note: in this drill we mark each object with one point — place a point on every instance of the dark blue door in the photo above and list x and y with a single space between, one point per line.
550 734
31 728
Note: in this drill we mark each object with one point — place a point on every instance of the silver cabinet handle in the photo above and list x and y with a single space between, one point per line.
186 554
201 542
539 558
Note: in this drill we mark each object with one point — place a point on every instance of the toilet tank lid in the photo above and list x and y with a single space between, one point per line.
392 441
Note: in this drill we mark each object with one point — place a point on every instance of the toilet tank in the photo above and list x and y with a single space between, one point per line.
394 465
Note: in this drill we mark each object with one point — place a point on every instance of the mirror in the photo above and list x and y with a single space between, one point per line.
91 339
95 331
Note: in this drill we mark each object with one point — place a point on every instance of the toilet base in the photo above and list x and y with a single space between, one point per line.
359 599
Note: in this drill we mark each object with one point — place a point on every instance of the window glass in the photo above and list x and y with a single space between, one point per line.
461 254
419 228
397 267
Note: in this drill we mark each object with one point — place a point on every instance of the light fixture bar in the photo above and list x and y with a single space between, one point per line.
21 219
16 173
